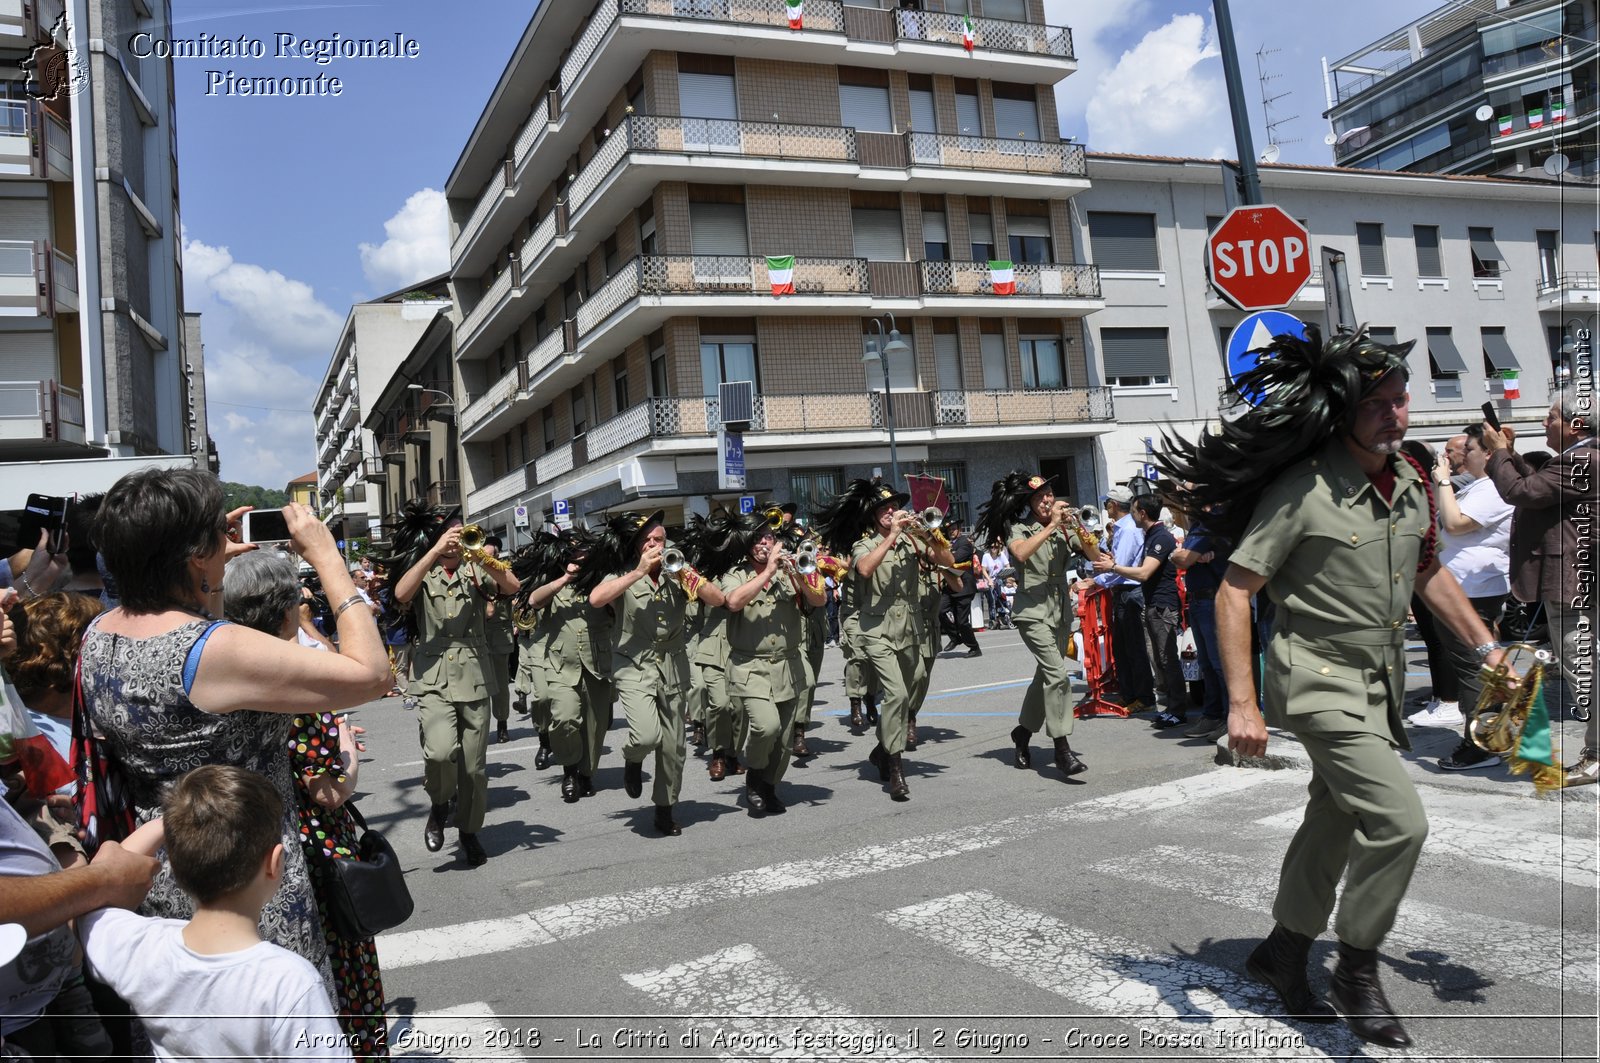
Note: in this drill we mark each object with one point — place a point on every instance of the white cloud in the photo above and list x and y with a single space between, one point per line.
267 340
1164 96
418 244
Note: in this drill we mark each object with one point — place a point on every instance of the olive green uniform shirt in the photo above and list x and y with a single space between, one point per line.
766 651
1042 579
449 657
1341 563
579 638
888 604
649 619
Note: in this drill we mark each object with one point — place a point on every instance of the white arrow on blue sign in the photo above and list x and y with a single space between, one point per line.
1253 334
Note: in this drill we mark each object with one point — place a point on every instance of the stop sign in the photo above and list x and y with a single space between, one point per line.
1258 258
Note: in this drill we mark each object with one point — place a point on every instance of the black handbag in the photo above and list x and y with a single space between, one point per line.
367 894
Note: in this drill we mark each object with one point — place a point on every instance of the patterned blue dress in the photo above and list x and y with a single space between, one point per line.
133 689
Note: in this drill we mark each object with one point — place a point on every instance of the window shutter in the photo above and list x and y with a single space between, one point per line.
1427 238
982 228
879 236
1014 119
1369 237
922 113
866 107
969 120
718 229
993 346
1026 226
1015 10
1135 352
1447 361
707 96
1498 351
947 359
1123 241
934 229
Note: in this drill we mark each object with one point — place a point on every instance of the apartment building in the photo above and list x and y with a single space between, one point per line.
625 208
1490 276
96 355
412 424
1476 86
377 337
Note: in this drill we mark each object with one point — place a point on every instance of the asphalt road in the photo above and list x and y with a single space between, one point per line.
999 914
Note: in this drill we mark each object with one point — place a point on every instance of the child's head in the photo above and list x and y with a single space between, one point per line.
224 831
1011 581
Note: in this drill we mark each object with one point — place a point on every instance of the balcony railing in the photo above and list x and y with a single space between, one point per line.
486 203
25 277
557 462
727 136
480 313
546 351
627 427
374 470
599 22
63 282
604 161
960 151
507 487
1569 282
392 448
1001 35
499 392
1558 49
537 123
687 274
444 493
543 236
821 15
1055 280
40 410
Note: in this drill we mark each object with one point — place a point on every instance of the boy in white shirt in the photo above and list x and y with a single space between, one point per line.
211 988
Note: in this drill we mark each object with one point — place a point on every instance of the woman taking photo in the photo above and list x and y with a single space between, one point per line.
1041 534
169 688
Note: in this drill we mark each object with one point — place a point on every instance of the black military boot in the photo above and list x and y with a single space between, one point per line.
433 831
569 784
1019 738
911 733
870 703
1067 760
1355 991
541 759
856 719
879 758
897 780
697 732
775 807
754 796
633 778
800 747
664 822
1280 961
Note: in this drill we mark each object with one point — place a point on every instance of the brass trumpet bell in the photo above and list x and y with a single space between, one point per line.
471 538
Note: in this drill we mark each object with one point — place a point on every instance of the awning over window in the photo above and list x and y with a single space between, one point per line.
1442 349
1498 351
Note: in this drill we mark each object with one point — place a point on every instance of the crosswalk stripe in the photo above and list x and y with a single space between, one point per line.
1514 833
761 1010
1123 980
1506 947
593 914
469 1031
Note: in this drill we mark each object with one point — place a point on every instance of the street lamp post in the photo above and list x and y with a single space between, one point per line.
448 401
895 345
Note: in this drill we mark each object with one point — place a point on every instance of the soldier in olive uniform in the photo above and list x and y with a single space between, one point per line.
501 640
1337 526
649 609
532 631
451 681
767 601
1041 534
860 685
577 669
932 586
866 522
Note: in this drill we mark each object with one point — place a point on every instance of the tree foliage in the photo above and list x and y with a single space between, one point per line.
236 495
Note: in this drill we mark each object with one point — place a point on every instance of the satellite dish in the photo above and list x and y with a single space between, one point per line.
1271 154
1331 139
1484 113
1556 165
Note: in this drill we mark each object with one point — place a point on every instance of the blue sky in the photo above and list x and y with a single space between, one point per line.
295 208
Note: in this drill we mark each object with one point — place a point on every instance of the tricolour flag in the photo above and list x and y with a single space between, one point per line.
1558 111
1505 125
1002 277
968 37
1513 386
1536 118
780 269
795 21
44 769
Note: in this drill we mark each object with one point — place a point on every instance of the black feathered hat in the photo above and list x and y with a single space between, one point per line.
849 513
1308 394
726 541
616 547
414 532
1008 503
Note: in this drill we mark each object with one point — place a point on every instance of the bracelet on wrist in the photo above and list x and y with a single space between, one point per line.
22 578
1484 649
347 603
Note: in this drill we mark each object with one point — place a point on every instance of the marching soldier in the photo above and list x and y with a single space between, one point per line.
531 629
1313 487
450 677
500 640
577 665
1042 533
649 609
865 522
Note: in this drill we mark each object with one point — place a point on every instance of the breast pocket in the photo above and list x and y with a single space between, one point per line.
1353 558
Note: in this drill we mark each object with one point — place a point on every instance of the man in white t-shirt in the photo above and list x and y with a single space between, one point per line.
1474 544
223 842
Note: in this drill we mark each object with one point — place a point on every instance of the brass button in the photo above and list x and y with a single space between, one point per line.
1327 671
1349 491
1355 538
1396 624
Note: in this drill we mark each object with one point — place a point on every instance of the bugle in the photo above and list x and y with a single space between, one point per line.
673 561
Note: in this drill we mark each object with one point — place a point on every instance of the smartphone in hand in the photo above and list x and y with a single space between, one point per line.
1491 415
43 513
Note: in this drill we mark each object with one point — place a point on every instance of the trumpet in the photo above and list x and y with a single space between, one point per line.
471 541
774 516
673 561
804 559
930 519
524 619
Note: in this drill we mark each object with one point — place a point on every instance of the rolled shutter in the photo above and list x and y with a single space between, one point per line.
707 96
25 219
1026 226
922 113
947 360
934 229
718 229
993 347
878 235
866 107
1015 10
1123 241
1016 119
1427 238
1135 352
969 120
982 228
1369 237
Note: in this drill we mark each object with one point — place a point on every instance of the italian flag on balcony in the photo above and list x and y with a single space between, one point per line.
780 270
1558 111
1505 125
795 9
1513 388
968 37
1536 118
1001 277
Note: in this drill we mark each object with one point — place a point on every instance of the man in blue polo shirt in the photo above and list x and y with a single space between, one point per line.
1163 613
